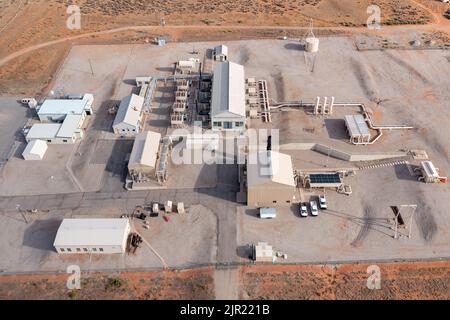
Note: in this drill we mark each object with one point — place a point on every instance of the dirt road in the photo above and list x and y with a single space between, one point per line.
3 61
226 283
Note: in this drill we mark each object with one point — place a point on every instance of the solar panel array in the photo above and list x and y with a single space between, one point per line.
325 178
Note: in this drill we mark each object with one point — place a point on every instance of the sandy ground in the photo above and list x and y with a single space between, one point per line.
25 24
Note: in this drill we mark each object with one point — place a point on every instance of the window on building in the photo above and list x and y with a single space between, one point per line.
217 124
94 249
239 124
62 250
69 250
49 141
274 201
100 249
64 140
78 249
85 249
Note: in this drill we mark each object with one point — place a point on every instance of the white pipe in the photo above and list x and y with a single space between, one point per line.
324 105
331 105
316 108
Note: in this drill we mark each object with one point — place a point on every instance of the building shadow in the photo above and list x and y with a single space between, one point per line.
117 163
336 129
209 53
402 172
166 69
41 234
244 251
294 46
130 82
254 213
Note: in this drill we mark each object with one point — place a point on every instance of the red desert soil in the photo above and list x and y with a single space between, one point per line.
428 280
168 285
25 23
424 280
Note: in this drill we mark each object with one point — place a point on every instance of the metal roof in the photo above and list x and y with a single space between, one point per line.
271 166
228 96
130 110
92 232
43 131
63 106
357 125
263 250
430 169
37 146
145 149
222 49
70 124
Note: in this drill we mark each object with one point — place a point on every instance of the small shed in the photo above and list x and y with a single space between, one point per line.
430 173
220 53
263 252
357 129
35 150
92 236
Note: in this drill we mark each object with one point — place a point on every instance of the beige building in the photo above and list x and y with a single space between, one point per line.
144 155
270 179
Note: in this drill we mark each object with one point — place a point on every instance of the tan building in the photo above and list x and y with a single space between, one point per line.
144 155
270 179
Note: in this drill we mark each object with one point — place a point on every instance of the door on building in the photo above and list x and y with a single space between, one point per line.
228 125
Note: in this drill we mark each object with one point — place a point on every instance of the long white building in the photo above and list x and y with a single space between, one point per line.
228 97
92 236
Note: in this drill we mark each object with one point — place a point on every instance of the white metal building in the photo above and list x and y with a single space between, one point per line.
92 236
35 150
56 110
228 97
128 120
220 53
270 179
58 133
144 154
357 129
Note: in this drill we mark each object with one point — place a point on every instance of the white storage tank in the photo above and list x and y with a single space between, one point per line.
312 44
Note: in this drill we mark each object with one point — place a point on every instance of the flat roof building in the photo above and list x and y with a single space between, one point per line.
128 121
228 97
92 236
270 179
357 129
35 150
220 53
55 110
58 133
144 154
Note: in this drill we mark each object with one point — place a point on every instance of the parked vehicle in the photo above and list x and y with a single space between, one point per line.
323 202
303 209
314 209
267 213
